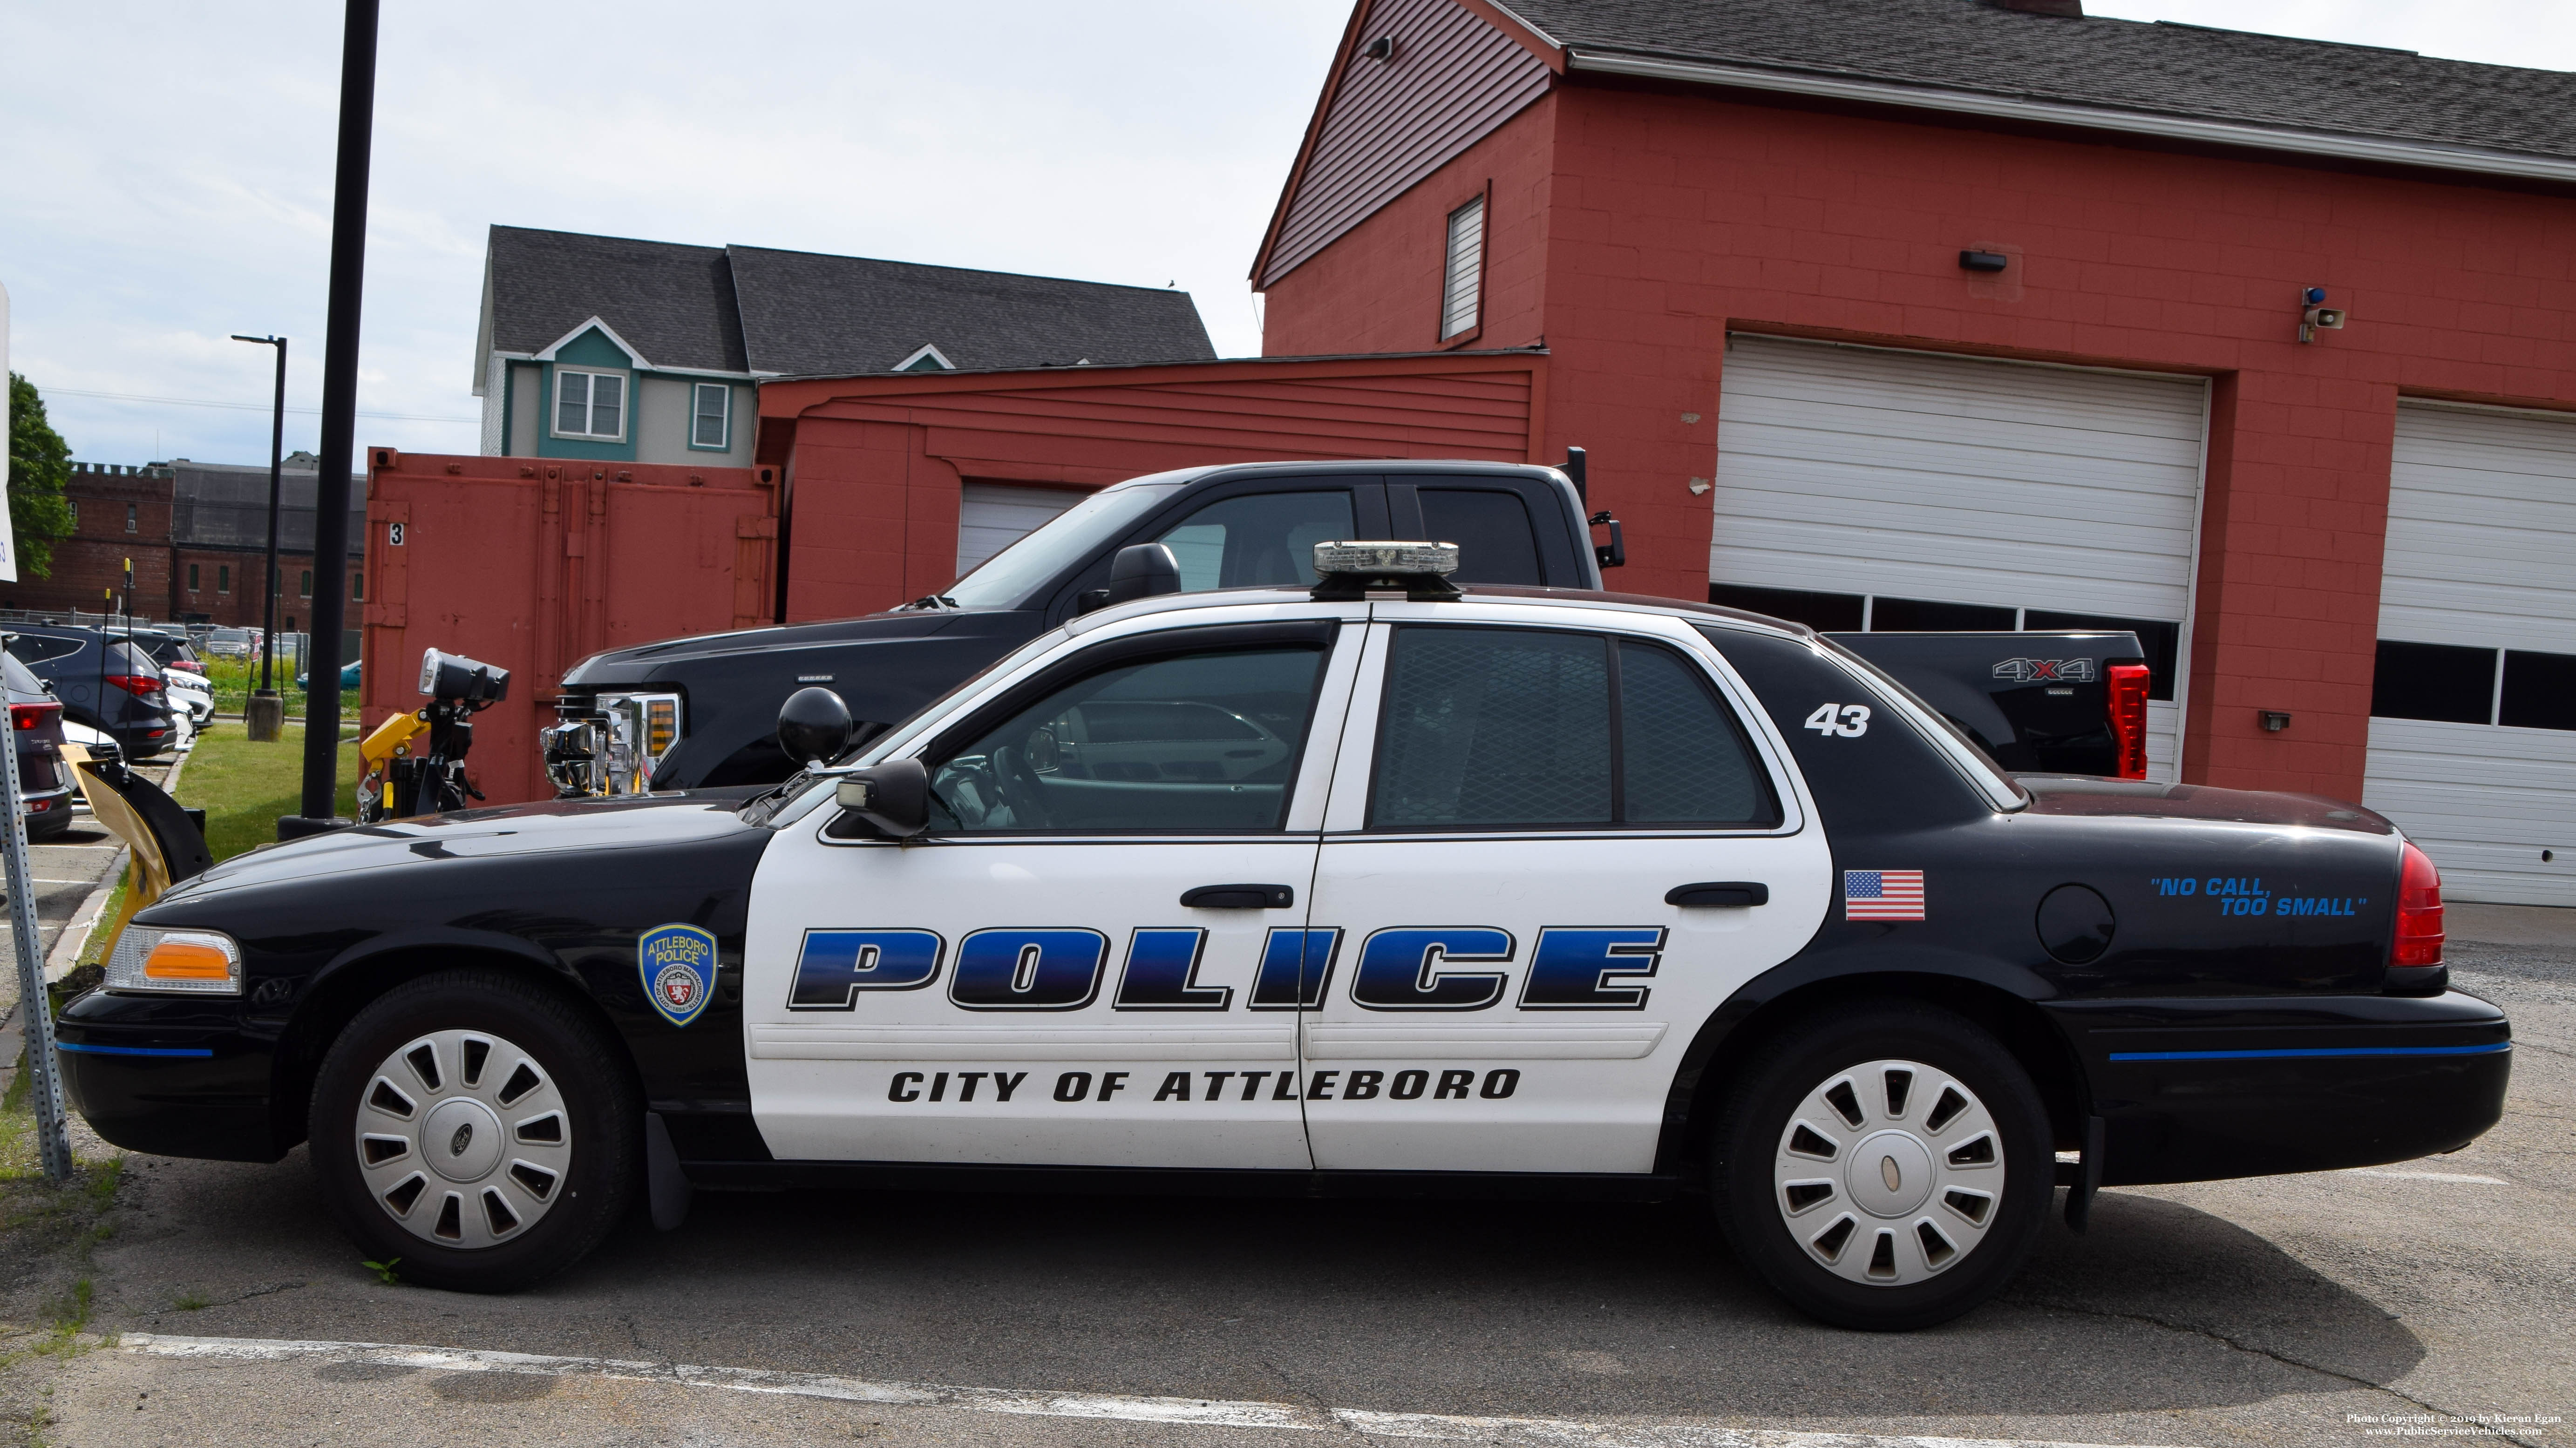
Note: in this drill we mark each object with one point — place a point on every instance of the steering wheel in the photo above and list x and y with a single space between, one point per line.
1016 785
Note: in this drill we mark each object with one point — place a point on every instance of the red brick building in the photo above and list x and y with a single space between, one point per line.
1942 313
118 513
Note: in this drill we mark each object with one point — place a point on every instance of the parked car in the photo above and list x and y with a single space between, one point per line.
36 722
171 649
103 682
1378 886
181 674
692 713
348 677
229 643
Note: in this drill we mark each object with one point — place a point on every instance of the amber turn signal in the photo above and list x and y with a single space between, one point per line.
186 960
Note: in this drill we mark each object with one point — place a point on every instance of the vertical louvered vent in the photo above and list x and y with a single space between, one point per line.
1462 285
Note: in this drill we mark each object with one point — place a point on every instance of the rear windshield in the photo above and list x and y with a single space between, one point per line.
20 678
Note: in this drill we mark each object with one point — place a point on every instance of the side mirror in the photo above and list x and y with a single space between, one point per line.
813 725
894 797
1143 570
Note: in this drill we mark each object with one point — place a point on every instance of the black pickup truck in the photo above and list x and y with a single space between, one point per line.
703 712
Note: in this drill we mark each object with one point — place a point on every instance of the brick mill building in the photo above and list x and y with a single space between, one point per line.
197 537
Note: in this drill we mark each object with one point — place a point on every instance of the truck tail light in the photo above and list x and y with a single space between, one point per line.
33 716
142 686
2129 718
2419 913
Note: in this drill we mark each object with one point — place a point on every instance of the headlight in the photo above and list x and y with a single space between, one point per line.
185 962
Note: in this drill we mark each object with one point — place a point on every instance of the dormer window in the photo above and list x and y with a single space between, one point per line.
590 404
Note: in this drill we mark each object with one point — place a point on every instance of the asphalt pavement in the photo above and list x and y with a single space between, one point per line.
2325 1309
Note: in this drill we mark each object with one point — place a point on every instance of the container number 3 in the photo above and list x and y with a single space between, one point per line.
394 534
1847 721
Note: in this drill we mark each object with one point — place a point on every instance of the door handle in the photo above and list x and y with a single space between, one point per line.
1239 897
1719 895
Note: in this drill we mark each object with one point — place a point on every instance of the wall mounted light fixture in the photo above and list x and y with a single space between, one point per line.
2274 721
1983 261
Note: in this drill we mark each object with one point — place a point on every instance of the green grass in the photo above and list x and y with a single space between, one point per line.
243 787
233 679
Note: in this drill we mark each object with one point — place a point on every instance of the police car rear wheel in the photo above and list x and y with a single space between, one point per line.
474 1126
1885 1167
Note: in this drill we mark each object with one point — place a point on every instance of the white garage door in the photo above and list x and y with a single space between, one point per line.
1929 491
992 516
2473 749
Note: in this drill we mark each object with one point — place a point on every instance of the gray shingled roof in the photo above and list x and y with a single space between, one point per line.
2168 69
740 308
673 303
808 314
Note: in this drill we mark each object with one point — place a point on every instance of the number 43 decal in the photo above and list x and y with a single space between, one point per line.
1850 721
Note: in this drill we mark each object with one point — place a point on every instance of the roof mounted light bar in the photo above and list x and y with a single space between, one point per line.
1352 571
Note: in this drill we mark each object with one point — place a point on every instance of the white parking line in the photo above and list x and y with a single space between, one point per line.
2429 1176
1194 1412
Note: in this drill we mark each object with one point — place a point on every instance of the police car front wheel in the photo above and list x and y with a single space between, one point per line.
474 1126
1885 1166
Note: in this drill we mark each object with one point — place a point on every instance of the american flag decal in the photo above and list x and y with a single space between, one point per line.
1882 894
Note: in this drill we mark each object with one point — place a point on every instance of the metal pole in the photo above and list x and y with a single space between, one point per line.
339 416
276 466
53 1146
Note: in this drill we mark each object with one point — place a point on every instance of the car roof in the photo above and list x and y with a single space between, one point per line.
1340 467
1590 598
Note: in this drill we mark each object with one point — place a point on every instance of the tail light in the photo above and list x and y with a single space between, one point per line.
139 685
2129 718
33 716
190 666
2419 913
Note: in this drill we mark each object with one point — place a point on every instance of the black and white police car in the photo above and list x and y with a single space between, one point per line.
1378 887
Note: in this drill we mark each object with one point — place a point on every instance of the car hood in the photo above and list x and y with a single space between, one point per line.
554 827
2071 794
645 662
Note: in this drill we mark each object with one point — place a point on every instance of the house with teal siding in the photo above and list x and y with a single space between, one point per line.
614 349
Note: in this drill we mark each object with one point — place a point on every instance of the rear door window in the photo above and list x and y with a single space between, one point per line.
1493 728
1491 526
37 648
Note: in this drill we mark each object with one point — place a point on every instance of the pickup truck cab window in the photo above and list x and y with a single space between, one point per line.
1259 539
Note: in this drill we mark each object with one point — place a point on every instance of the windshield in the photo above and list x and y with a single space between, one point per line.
1007 577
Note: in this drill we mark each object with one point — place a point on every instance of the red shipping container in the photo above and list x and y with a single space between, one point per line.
533 564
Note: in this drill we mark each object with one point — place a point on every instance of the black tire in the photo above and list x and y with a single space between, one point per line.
1771 1225
597 1165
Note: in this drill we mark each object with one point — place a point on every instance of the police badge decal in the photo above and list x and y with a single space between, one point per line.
678 963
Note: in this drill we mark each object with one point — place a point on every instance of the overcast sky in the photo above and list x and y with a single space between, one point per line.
165 169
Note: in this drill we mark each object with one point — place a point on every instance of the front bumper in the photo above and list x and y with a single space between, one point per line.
171 1075
2205 1089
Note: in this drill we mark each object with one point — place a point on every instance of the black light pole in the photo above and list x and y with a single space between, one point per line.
339 426
276 463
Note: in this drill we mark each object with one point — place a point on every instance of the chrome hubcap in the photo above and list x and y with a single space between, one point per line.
463 1138
1889 1173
